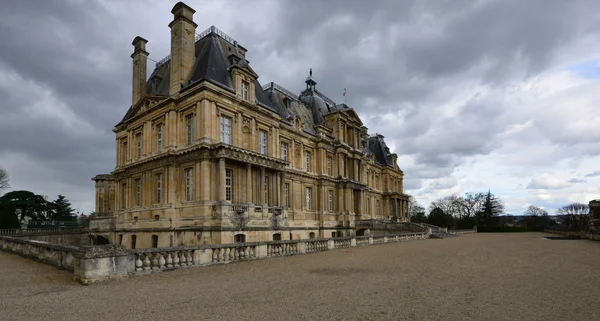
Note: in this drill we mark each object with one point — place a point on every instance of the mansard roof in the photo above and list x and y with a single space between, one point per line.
382 153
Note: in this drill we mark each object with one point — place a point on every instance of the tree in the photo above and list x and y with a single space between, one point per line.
450 205
492 206
574 216
3 180
535 211
62 210
537 218
415 209
21 206
471 204
437 217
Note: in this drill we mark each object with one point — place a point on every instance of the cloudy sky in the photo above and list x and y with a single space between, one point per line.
471 95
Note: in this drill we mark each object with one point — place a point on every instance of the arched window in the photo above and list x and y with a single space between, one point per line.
311 235
277 237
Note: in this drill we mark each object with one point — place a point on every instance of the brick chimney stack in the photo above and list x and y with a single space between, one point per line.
139 69
183 31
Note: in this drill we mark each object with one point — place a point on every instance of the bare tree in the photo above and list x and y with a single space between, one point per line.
536 211
414 208
449 205
574 216
3 180
471 204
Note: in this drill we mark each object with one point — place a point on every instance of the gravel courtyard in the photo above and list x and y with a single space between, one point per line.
471 277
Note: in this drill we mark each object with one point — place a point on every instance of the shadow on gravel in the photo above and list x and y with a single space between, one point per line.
563 238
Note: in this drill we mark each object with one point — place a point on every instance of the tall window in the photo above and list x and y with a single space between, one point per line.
189 184
124 195
189 123
286 193
307 160
262 136
138 142
225 130
158 188
245 86
228 184
330 200
159 138
308 198
369 205
133 241
329 166
125 152
284 151
138 192
155 241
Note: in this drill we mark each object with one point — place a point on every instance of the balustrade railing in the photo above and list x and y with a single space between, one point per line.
283 248
233 252
342 243
378 239
160 259
316 245
362 240
239 208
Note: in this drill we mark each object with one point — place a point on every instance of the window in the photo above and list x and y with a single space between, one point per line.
159 138
138 142
266 189
225 130
329 166
124 195
189 122
228 184
189 184
291 238
277 237
239 238
286 193
307 160
138 192
369 205
157 217
330 200
124 152
308 198
311 235
158 188
120 239
262 136
155 241
333 234
133 241
284 151
245 86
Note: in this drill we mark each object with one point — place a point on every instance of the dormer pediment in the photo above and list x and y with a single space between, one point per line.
145 104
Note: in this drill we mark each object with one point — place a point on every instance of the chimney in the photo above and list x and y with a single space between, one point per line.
183 31
139 69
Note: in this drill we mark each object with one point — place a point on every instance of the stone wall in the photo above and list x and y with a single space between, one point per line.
92 264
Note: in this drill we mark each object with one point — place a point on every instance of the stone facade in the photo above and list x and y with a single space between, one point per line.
206 155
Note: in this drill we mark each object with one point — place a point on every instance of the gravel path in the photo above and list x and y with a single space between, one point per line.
471 277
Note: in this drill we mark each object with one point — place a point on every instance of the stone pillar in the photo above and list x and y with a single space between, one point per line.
183 33
139 69
249 183
277 189
221 171
261 187
282 190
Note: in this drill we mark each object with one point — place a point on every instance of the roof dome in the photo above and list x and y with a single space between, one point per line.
317 106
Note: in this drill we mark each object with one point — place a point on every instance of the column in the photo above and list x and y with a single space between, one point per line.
282 190
261 186
277 189
205 179
221 171
249 183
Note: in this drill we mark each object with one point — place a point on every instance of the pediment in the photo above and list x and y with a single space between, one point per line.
352 115
145 104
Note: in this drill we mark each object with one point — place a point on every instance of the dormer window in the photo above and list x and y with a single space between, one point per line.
154 82
288 103
245 86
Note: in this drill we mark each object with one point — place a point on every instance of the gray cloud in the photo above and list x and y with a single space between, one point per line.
593 174
577 180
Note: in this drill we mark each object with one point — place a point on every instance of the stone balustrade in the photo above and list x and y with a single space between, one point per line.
48 230
239 208
91 264
462 231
